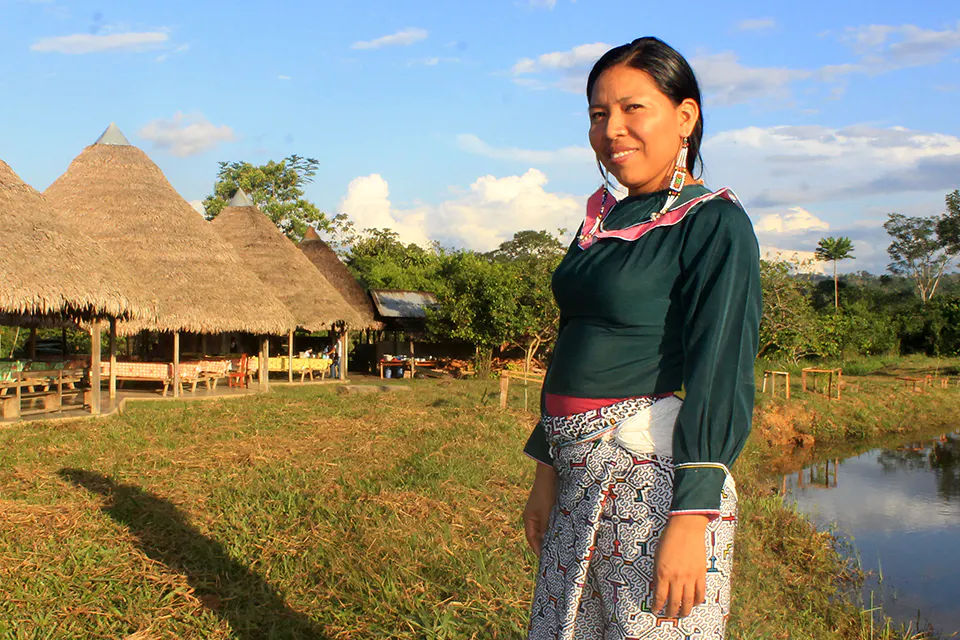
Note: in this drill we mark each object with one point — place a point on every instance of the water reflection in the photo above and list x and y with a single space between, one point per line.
942 456
901 506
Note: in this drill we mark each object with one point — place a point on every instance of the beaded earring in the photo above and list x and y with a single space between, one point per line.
676 182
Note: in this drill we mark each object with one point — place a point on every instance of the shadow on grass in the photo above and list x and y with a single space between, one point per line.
252 607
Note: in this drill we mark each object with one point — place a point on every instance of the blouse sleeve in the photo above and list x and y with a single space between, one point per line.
721 301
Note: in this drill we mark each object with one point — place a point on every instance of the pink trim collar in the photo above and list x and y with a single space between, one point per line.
635 232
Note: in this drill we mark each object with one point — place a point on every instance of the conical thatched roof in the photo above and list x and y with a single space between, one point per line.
48 267
120 198
327 263
314 303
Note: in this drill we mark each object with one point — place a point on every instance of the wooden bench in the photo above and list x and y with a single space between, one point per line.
161 372
18 394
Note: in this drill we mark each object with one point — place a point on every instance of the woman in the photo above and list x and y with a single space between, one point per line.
633 509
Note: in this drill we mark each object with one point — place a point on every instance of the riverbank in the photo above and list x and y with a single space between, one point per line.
793 575
307 514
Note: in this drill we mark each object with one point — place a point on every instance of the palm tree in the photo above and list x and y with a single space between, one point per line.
835 249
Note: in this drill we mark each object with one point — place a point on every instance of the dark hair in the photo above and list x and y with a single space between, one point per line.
670 72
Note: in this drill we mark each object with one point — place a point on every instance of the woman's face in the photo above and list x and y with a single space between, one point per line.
635 130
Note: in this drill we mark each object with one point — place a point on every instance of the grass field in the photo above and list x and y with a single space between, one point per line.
308 514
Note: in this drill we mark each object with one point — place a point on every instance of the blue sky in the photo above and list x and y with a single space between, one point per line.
466 121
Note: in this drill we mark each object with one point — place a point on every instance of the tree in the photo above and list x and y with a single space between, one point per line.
789 326
532 256
922 248
477 304
276 188
380 261
835 249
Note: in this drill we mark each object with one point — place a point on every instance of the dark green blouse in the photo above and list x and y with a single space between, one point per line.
678 308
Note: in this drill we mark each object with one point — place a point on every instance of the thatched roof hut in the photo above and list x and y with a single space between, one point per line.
48 268
312 301
327 263
120 198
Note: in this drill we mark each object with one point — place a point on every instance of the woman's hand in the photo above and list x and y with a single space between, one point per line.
537 512
680 566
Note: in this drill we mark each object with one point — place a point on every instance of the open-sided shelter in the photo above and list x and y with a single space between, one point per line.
53 274
310 298
120 198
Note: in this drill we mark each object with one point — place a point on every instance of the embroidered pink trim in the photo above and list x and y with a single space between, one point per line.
592 231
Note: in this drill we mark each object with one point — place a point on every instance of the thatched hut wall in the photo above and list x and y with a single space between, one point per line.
312 301
49 268
121 199
328 264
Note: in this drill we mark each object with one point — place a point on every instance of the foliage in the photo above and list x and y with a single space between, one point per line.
533 256
477 303
834 250
789 326
922 248
276 188
379 260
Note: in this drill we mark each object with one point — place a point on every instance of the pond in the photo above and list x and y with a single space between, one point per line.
901 508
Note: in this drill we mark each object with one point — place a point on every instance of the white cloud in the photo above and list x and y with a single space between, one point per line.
806 261
797 165
575 154
82 43
480 218
368 204
186 135
756 24
543 4
723 78
799 219
583 55
400 38
726 82
181 49
284 78
495 208
886 47
431 61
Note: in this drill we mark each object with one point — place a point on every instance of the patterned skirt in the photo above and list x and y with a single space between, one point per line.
596 561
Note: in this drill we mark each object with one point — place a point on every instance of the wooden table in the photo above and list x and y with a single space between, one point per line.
393 363
772 375
408 365
830 373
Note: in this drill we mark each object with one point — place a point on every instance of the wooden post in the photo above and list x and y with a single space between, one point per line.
264 374
63 342
788 385
290 356
203 345
176 364
343 355
413 361
113 358
504 388
32 345
95 367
